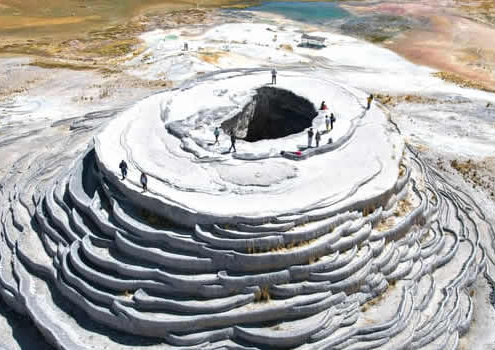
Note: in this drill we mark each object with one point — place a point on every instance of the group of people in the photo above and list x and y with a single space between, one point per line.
329 121
144 178
233 138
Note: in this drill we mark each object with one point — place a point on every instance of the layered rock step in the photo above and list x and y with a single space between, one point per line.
383 260
218 282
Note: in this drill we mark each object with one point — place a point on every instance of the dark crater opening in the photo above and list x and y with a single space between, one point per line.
272 113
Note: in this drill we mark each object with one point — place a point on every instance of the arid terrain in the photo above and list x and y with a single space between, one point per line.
452 36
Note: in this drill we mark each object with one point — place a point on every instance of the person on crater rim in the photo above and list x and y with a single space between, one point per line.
123 169
332 120
274 76
327 122
323 106
370 99
317 138
310 137
232 140
144 182
216 132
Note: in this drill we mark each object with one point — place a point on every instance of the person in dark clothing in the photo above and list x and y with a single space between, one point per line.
323 106
232 141
370 99
123 169
144 182
317 138
332 120
310 137
274 76
216 132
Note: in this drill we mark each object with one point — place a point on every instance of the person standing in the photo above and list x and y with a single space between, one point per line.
123 169
317 138
332 120
274 76
232 141
144 182
310 137
216 132
370 99
327 122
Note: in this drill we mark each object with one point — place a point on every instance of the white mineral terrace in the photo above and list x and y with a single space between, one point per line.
355 244
188 171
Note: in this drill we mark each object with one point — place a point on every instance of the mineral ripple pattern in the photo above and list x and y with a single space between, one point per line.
91 268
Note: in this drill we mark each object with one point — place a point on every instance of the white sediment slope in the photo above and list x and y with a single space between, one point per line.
355 244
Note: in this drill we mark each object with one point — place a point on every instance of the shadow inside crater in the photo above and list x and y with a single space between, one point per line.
271 114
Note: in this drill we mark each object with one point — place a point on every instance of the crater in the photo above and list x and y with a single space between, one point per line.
271 114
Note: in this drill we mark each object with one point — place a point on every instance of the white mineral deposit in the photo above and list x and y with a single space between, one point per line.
357 243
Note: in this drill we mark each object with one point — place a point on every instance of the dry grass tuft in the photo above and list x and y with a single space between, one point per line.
212 56
114 48
263 295
385 225
462 82
287 47
55 64
403 207
368 210
394 100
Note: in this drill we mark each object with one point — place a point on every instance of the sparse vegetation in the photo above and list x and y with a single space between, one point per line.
212 56
56 64
368 210
477 174
393 101
263 295
462 82
384 225
403 207
287 47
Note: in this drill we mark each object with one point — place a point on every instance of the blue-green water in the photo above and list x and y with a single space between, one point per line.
310 12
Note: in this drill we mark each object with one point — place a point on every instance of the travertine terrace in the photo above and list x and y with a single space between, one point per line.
356 244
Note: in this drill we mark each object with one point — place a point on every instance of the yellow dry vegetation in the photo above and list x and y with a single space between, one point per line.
403 207
385 224
212 57
114 48
54 64
263 295
287 47
128 294
461 81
